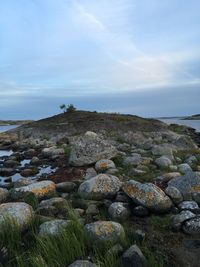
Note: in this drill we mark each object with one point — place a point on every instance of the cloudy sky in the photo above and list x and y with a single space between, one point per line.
131 56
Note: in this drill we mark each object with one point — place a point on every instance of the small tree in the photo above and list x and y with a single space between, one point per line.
63 108
71 108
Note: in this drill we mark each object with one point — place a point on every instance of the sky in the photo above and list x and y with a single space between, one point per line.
131 56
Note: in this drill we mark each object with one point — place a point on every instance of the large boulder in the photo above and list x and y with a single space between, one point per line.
147 195
105 231
100 187
20 212
90 148
40 190
188 184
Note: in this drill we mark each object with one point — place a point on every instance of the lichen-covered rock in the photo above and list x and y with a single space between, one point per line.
90 148
119 212
163 162
100 187
3 194
39 189
192 226
104 164
147 195
53 227
82 263
105 231
174 194
20 212
187 184
178 219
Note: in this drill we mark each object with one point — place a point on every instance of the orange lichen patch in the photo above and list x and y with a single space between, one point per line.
43 191
103 165
195 188
104 229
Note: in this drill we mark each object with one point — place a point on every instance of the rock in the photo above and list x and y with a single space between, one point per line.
147 195
104 165
66 187
134 160
122 197
188 184
184 168
180 218
90 148
53 227
19 212
39 189
140 211
162 150
191 160
115 250
3 194
53 151
173 168
185 142
52 207
105 231
188 205
11 163
166 177
174 194
163 162
35 161
90 173
113 171
133 257
92 210
82 263
192 226
100 187
28 172
23 182
6 171
119 212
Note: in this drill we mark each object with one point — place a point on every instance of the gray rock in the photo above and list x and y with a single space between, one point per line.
140 211
19 212
53 151
163 162
82 263
133 257
184 168
3 194
92 210
191 160
100 187
105 231
147 195
192 226
188 205
162 150
104 164
134 160
39 189
90 148
187 184
119 212
35 161
53 228
23 182
178 219
66 187
90 173
174 194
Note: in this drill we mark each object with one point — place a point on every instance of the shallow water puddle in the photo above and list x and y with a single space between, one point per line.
4 153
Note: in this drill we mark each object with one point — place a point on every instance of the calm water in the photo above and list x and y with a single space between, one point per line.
191 123
6 128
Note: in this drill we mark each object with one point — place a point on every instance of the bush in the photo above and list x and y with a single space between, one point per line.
71 108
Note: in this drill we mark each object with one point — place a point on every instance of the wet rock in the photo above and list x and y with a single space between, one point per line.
10 163
133 257
20 212
180 218
188 205
7 171
163 162
66 187
39 189
187 184
29 172
35 161
174 194
3 194
140 211
52 207
90 148
100 187
184 168
147 195
119 212
104 165
82 263
53 227
192 226
104 231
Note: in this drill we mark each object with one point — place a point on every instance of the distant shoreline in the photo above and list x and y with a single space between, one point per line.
13 122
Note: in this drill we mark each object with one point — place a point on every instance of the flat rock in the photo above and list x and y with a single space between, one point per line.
100 187
147 195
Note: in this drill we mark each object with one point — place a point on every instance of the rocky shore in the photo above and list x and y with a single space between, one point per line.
120 191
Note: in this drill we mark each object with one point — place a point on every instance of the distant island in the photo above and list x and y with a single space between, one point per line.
13 122
193 117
